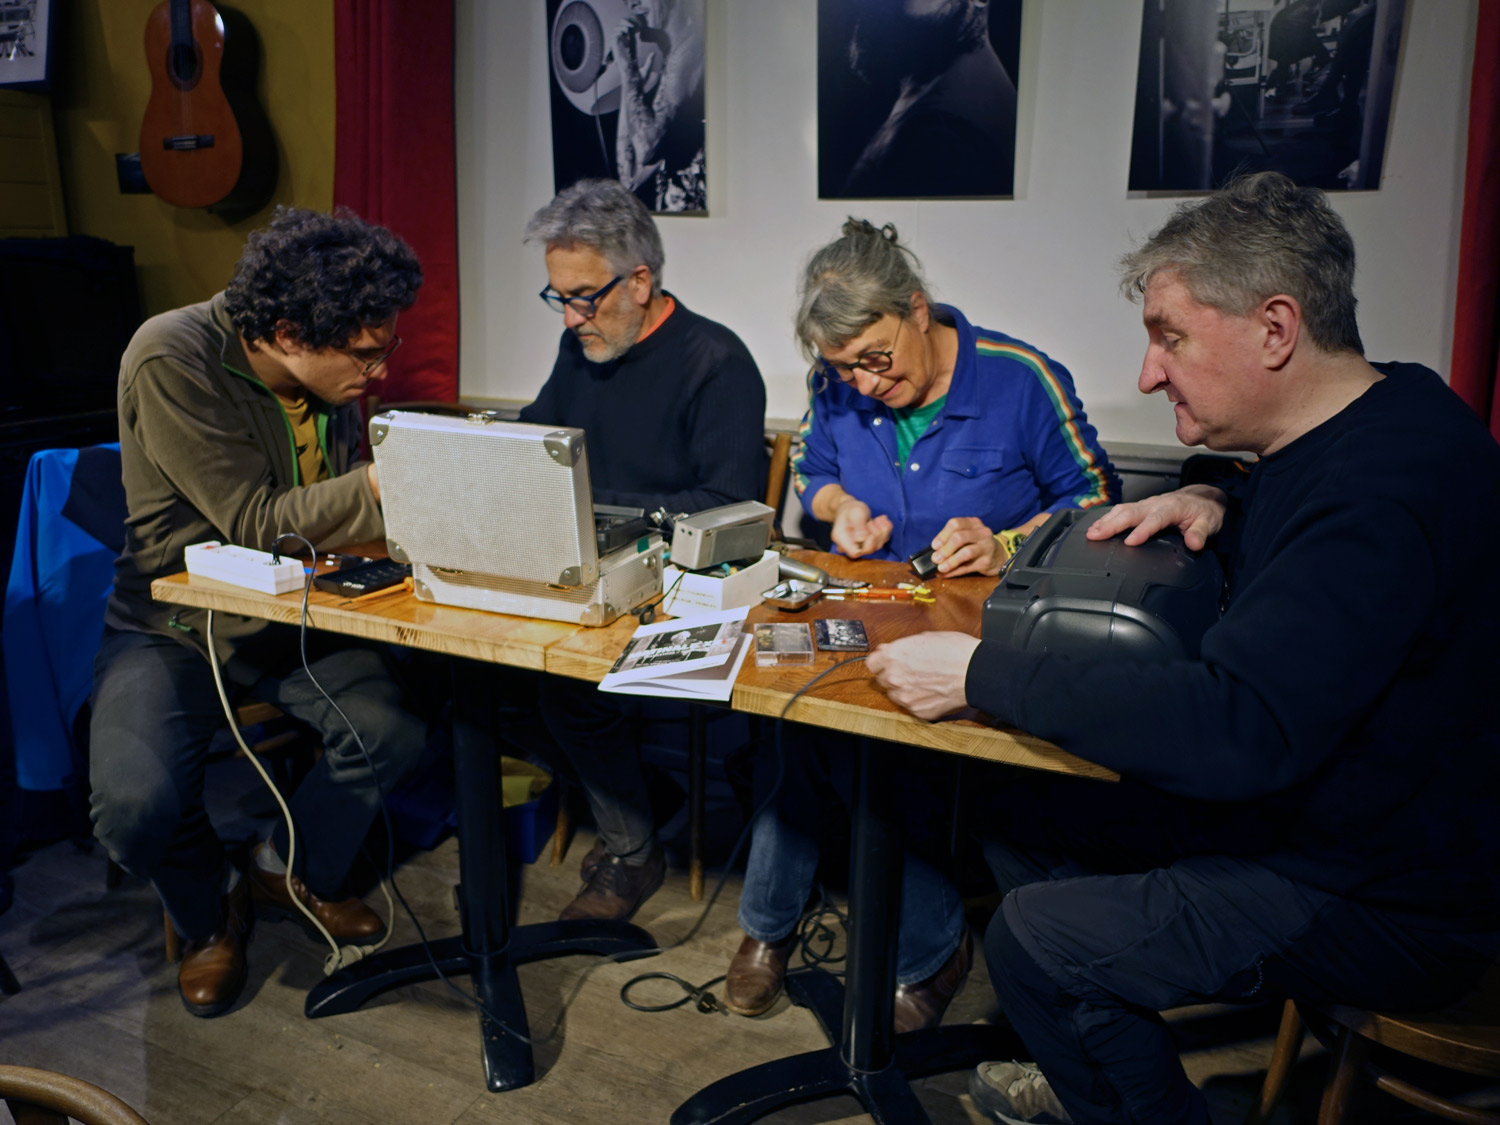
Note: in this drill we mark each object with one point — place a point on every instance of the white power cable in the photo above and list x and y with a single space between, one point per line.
342 956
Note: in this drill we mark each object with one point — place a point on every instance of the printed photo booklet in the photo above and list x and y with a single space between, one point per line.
694 657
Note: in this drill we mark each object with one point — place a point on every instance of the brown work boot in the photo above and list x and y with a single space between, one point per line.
923 1004
757 974
615 890
347 920
212 973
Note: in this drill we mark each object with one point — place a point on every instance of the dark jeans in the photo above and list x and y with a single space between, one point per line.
597 735
784 848
155 711
1084 951
600 734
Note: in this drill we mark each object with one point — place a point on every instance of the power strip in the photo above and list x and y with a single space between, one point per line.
240 566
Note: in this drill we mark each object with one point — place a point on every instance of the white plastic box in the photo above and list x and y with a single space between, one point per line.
697 593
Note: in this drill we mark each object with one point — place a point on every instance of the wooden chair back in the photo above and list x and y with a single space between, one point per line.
44 1097
781 450
1464 1036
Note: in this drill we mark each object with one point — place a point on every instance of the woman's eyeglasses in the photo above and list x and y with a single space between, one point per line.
872 363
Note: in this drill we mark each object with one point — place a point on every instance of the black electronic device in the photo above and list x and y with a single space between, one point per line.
616 526
840 634
922 563
364 578
1066 594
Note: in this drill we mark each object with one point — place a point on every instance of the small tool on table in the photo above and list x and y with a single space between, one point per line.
906 591
806 572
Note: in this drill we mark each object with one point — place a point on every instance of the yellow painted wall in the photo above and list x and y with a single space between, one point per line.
99 97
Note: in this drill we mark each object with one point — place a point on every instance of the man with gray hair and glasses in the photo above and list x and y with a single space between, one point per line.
674 410
1309 808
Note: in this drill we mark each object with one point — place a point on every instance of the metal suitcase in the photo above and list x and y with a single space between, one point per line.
499 516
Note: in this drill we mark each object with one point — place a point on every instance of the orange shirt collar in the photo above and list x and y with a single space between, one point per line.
666 311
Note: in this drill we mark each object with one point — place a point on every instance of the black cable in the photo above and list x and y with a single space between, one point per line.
815 930
729 864
704 1000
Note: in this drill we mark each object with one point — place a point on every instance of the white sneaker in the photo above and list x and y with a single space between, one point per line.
1016 1093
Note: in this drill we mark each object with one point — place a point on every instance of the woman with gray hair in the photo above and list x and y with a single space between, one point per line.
922 431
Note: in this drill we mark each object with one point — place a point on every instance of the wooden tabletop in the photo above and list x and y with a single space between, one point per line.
847 700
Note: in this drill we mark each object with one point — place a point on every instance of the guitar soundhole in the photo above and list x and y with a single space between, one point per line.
185 65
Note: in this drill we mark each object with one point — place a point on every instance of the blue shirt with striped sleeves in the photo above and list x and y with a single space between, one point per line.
1010 441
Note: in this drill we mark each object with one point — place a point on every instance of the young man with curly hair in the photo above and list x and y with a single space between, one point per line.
239 422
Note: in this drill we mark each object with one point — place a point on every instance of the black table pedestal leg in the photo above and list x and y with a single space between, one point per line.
489 949
866 1058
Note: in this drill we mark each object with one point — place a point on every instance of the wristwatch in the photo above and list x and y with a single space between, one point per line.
1010 542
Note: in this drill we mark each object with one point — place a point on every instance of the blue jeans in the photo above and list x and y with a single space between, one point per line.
155 711
784 850
1084 952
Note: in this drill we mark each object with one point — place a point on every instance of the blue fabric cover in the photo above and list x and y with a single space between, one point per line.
60 578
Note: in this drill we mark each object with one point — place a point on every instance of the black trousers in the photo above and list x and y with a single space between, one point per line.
1119 903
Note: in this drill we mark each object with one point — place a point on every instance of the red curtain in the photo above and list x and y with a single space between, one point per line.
393 164
1476 330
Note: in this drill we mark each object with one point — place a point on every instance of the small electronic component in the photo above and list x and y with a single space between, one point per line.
785 643
839 634
922 563
366 578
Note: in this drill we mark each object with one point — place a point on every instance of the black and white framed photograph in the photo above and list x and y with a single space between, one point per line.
1302 87
627 97
917 98
25 44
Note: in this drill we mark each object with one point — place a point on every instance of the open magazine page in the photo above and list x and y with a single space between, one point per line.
686 646
716 683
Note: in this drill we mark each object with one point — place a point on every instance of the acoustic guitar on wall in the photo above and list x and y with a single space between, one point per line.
205 142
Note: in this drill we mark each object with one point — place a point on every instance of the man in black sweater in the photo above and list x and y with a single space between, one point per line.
1308 808
673 410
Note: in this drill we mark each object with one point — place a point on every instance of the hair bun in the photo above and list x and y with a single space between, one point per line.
863 228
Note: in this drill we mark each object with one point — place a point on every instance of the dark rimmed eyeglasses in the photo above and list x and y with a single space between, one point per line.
370 362
584 306
872 363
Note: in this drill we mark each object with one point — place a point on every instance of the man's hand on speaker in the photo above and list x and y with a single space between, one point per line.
1197 511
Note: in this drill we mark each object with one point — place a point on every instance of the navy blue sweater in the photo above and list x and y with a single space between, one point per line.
1343 714
678 421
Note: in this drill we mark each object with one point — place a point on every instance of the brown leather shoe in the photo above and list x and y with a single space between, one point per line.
591 860
615 890
212 973
923 1004
347 920
757 974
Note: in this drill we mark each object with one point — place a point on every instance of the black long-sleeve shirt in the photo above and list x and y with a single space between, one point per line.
678 421
1344 711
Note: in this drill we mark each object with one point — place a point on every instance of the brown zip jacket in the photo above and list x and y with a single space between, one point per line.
207 453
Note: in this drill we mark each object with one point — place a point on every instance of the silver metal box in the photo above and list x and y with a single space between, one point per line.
477 494
499 516
724 534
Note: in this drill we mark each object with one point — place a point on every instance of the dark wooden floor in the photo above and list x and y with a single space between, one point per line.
99 1001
